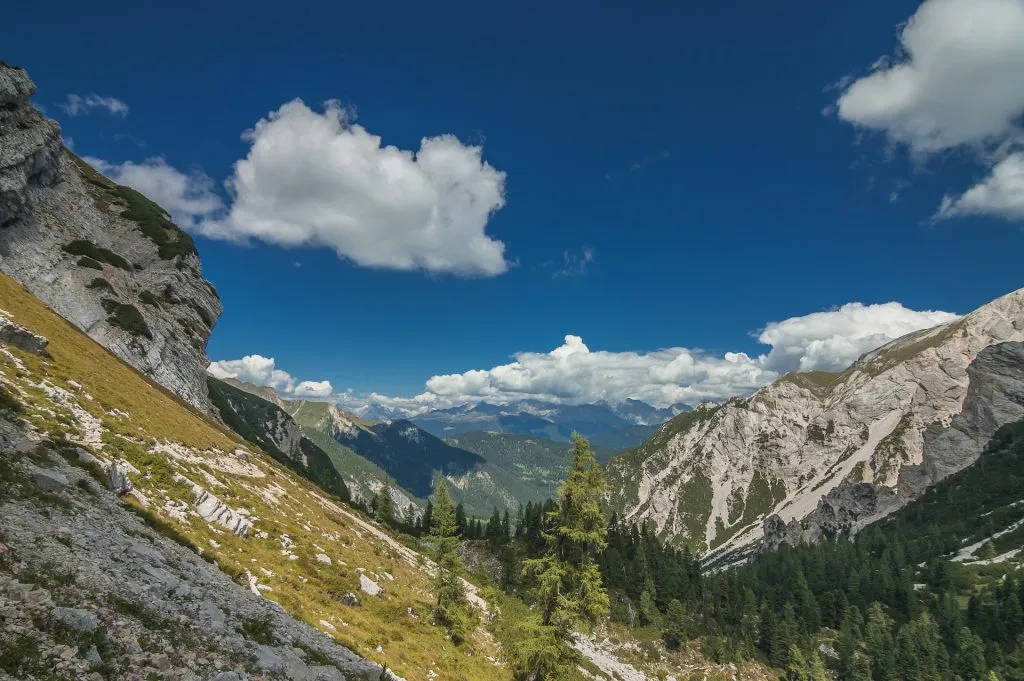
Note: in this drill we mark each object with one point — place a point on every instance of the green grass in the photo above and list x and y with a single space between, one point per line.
283 503
88 249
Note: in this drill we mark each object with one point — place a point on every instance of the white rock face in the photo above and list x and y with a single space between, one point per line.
20 337
368 586
213 510
48 199
711 477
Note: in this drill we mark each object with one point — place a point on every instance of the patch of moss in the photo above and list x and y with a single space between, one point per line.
155 224
694 509
148 298
9 402
127 317
258 631
100 283
88 249
86 261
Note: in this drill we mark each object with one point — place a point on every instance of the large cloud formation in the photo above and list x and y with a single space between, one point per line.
263 371
317 179
957 80
573 373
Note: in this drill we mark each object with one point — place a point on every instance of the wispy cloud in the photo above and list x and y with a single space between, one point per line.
80 105
576 265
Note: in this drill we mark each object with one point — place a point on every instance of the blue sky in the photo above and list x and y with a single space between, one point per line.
695 152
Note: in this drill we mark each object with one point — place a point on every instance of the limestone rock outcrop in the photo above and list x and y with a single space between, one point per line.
829 452
103 256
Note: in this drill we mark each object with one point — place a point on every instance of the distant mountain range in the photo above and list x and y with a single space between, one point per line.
614 425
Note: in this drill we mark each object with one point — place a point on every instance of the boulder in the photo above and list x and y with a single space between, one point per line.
117 480
49 480
20 337
369 587
78 619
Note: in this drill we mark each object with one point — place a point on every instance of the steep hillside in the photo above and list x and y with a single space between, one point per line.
711 477
276 533
408 454
103 256
270 428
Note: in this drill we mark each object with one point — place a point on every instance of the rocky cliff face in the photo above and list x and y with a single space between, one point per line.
103 256
831 450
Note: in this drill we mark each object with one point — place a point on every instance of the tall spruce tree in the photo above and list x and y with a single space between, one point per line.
385 510
451 609
569 588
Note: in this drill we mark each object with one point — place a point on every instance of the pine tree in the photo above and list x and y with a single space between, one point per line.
880 643
451 609
569 588
674 630
797 668
969 660
460 520
648 610
385 511
816 668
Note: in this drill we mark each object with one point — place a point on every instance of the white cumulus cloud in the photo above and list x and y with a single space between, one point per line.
573 373
188 199
263 371
317 178
957 77
1000 194
78 105
956 81
832 340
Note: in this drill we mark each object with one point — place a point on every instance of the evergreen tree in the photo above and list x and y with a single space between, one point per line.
385 510
674 631
816 668
451 610
880 643
969 661
569 587
797 669
460 519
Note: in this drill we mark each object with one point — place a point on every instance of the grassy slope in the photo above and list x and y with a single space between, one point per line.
136 415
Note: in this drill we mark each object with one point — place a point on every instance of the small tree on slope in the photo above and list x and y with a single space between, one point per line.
569 588
451 609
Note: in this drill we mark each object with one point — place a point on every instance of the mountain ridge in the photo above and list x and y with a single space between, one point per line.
711 482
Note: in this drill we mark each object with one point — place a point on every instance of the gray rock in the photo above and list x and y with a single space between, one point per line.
368 586
351 599
995 396
86 457
92 656
20 337
78 619
50 480
898 419
230 676
48 200
117 480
